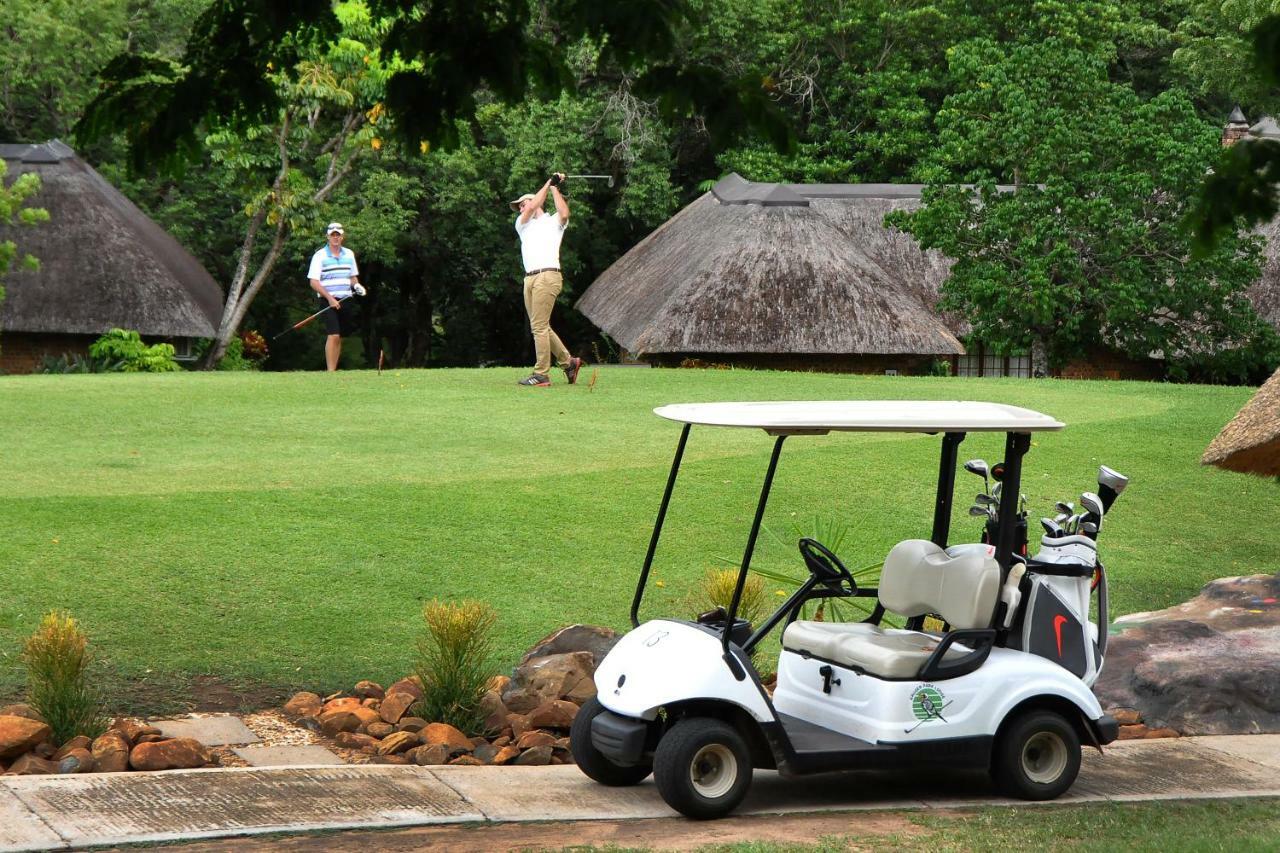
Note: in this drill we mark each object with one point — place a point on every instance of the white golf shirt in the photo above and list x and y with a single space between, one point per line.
540 241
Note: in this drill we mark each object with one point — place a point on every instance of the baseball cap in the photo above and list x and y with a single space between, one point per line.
334 226
515 203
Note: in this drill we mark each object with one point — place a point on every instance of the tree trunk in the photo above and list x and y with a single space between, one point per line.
1039 358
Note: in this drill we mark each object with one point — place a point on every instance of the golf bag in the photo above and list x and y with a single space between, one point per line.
1057 591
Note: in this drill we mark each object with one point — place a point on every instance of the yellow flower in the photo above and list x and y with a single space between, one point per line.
375 144
659 583
424 147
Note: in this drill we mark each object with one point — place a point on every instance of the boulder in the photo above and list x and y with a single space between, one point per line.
149 738
436 753
179 753
398 742
303 705
411 685
497 683
110 753
131 729
77 742
369 690
411 724
495 712
1126 716
519 724
536 757
553 714
468 760
443 733
342 703
332 722
379 729
371 703
529 740
390 759
1208 666
31 765
353 740
485 752
506 755
78 760
395 705
21 709
20 734
501 741
594 639
44 749
547 677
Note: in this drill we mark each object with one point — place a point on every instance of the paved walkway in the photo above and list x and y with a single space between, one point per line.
44 812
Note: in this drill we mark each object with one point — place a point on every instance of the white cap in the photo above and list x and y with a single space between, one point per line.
334 226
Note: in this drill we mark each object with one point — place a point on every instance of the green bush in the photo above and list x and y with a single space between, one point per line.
455 662
69 363
237 356
717 588
57 658
124 351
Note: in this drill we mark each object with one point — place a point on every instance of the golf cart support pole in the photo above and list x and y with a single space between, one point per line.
657 528
946 487
746 558
1016 445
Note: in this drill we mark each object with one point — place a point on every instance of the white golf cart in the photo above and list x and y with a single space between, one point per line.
681 699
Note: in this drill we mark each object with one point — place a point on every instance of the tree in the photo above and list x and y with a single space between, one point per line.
1087 248
13 199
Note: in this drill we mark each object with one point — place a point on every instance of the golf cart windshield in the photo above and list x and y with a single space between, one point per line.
954 419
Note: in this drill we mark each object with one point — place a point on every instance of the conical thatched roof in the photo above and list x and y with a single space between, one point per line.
104 263
1250 443
778 268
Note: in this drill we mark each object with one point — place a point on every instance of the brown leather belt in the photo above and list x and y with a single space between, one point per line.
544 269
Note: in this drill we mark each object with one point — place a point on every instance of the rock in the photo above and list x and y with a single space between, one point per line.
390 759
78 760
367 716
1126 716
110 753
20 734
353 740
371 704
495 712
443 733
398 742
506 755
77 742
529 740
501 741
395 705
44 750
545 678
31 765
1208 666
369 690
476 741
132 729
562 743
411 724
411 685
470 760
179 753
342 703
332 696
553 714
582 691
1137 731
497 683
594 639
1154 733
536 757
332 722
303 705
149 738
436 753
379 729
21 709
519 724
485 752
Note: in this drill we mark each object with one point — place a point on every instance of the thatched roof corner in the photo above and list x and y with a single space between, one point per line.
104 263
778 268
1250 443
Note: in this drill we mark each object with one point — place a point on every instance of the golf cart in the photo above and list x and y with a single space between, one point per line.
681 699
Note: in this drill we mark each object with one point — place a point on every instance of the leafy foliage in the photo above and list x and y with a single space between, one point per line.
13 199
455 662
57 659
121 351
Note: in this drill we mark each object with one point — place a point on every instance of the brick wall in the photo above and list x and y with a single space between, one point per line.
1108 364
22 352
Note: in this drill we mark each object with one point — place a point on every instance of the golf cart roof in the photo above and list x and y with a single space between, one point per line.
822 416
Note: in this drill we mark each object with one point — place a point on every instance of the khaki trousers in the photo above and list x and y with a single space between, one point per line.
540 292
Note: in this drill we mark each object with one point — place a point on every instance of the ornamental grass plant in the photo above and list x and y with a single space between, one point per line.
57 658
455 662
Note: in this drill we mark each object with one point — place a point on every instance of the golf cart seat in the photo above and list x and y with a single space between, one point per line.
918 578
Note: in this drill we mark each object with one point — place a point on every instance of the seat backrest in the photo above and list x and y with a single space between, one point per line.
919 578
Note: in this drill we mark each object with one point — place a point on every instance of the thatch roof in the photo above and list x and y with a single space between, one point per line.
104 263
778 268
1250 443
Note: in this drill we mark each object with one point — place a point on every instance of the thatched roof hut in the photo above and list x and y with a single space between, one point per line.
786 269
103 262
1250 443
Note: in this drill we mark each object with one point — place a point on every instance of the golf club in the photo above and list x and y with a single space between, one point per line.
1051 527
1094 511
986 500
608 178
979 467
977 511
1110 484
306 320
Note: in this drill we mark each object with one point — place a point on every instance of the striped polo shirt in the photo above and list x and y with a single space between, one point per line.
334 271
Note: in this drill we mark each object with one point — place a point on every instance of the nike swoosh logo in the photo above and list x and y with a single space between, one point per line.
1058 622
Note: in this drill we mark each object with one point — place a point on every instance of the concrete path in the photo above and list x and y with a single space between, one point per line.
44 812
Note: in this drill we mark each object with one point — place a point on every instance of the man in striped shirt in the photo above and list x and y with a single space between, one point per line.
334 277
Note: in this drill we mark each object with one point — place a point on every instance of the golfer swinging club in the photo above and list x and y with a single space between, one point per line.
334 277
540 237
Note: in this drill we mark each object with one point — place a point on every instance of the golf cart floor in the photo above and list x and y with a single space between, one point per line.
815 745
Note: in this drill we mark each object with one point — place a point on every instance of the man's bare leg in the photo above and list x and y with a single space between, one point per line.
332 349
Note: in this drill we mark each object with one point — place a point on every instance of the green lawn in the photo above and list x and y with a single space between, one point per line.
282 530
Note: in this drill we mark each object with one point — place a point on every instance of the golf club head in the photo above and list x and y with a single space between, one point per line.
995 491
976 511
1089 527
997 471
1051 527
977 466
1065 508
1110 484
1093 504
985 500
1061 518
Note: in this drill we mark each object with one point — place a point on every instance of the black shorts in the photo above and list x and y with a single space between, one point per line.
341 321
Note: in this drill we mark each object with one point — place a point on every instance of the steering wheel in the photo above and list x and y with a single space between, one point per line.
826 565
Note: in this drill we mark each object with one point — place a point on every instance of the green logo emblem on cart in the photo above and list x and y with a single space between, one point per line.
927 703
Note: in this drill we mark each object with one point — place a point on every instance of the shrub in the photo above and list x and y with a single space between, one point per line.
455 661
57 658
69 363
717 591
124 351
244 352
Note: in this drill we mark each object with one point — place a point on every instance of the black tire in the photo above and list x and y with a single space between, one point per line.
1037 756
592 761
703 768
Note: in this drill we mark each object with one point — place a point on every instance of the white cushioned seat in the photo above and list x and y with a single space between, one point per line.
886 652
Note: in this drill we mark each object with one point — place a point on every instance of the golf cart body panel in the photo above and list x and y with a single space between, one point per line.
665 661
808 417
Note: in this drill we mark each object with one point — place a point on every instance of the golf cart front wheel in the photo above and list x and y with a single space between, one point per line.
595 763
1037 757
703 768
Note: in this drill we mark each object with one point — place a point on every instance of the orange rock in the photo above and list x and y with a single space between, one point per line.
20 734
77 742
1133 732
351 740
446 734
369 690
398 742
365 715
303 705
1166 732
536 757
31 765
425 756
342 703
395 705
506 755
390 759
1126 716
379 729
179 753
78 760
332 722
553 714
411 724
469 760
519 724
529 740
110 753
498 683
411 684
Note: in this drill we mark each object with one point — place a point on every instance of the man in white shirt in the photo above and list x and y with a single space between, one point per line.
334 277
540 237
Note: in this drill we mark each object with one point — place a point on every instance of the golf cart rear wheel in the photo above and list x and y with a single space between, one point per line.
595 763
703 768
1037 757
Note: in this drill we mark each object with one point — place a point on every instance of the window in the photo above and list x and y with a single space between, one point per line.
979 362
968 365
